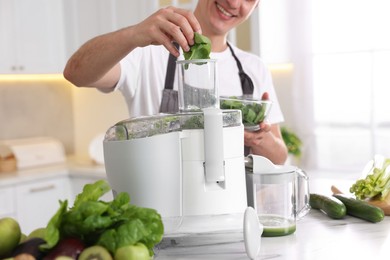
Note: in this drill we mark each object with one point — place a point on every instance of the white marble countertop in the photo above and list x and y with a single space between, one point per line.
317 236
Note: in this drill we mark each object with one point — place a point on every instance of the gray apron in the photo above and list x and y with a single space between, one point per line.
169 101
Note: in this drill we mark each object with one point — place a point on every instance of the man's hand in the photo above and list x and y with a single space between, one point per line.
165 26
254 138
267 141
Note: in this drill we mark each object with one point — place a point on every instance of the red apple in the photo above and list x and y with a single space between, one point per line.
71 247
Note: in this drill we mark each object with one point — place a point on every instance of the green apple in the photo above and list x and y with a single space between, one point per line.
37 233
23 237
133 252
10 234
63 258
95 252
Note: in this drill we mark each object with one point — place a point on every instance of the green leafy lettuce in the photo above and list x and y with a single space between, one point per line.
376 184
110 224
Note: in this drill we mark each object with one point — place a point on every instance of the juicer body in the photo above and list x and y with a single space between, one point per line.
167 172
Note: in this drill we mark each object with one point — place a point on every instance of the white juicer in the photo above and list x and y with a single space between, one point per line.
183 164
176 170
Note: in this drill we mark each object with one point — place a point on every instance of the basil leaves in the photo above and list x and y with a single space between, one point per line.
199 50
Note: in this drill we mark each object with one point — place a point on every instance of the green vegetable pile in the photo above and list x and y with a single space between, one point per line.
113 225
252 113
376 184
194 122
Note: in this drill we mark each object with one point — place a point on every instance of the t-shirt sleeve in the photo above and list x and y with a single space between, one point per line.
130 66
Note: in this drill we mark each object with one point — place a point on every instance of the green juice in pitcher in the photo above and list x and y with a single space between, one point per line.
274 225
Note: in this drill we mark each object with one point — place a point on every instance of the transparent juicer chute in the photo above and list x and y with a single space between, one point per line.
197 81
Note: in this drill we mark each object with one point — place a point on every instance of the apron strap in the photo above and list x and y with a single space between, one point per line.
246 85
246 82
170 75
169 101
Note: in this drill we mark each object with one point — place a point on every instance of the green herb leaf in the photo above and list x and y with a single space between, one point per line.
92 192
199 50
52 233
292 141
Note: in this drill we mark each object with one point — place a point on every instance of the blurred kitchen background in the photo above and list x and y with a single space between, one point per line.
329 61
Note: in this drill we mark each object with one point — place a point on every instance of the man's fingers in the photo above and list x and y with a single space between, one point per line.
265 96
186 24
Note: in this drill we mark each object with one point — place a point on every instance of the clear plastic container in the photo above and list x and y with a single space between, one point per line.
253 111
198 87
279 193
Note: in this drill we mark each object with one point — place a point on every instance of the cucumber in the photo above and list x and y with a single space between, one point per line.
330 205
361 209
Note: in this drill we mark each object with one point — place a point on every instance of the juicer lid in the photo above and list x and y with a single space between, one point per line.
262 165
147 126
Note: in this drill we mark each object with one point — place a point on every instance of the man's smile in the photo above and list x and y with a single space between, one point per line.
222 10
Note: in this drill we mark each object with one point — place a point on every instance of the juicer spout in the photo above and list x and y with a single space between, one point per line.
214 164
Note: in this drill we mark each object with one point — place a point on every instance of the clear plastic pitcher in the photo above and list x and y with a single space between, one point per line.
279 193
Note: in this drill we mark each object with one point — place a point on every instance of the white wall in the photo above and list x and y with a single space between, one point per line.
94 113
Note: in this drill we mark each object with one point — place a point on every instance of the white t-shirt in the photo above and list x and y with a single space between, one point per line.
143 77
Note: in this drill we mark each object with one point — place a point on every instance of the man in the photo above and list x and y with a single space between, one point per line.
134 60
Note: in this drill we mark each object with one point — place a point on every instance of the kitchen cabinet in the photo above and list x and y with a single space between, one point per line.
7 204
85 20
89 18
36 202
32 196
32 37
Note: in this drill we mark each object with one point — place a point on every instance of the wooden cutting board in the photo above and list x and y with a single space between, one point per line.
383 204
8 164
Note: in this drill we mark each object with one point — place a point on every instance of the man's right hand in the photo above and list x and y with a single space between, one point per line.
165 26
